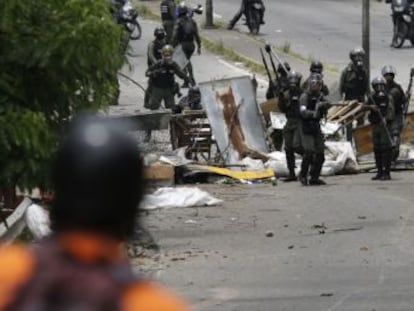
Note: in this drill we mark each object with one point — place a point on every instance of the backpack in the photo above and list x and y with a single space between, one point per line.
62 282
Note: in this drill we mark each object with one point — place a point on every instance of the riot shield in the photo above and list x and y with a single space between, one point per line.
179 57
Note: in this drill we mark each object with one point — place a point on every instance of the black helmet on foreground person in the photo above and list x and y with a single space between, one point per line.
316 66
357 56
281 70
378 84
356 52
159 33
388 70
167 52
315 82
294 78
182 9
98 180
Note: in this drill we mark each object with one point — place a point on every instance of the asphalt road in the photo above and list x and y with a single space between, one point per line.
207 66
327 30
346 246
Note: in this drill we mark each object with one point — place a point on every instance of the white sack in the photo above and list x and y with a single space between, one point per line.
252 164
169 197
339 157
37 220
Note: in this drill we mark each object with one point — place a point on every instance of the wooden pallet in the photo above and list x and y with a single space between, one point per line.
363 136
191 129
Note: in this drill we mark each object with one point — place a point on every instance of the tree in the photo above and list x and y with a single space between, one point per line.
56 58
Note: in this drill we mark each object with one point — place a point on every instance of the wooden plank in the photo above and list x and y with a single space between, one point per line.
363 136
363 139
159 172
344 110
268 106
407 135
351 114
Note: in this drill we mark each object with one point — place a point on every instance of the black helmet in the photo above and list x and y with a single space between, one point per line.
315 82
182 9
281 70
388 70
357 52
316 66
194 92
378 84
194 98
167 52
97 179
294 78
159 33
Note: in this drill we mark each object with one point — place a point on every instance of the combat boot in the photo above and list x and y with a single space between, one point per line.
316 182
378 164
306 161
290 159
316 170
386 162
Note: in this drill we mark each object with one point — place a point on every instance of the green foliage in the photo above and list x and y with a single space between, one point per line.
56 57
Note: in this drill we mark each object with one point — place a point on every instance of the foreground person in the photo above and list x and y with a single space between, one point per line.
382 119
98 184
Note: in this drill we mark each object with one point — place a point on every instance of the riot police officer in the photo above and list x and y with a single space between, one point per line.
381 117
168 17
185 33
154 55
243 10
289 104
400 101
192 101
281 83
316 67
313 108
162 76
354 83
155 46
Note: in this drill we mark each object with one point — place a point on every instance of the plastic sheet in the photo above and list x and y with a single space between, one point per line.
169 197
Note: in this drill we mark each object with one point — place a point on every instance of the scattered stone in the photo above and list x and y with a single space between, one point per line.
291 246
270 234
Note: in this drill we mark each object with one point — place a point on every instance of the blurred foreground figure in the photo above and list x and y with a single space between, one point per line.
98 183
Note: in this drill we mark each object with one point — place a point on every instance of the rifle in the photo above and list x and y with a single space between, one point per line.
383 123
266 66
408 93
269 50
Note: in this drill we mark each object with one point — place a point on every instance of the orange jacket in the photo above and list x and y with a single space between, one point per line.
18 266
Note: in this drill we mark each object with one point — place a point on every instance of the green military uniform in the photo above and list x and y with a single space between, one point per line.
305 85
382 118
162 75
185 33
153 55
353 85
168 17
289 104
312 139
400 101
